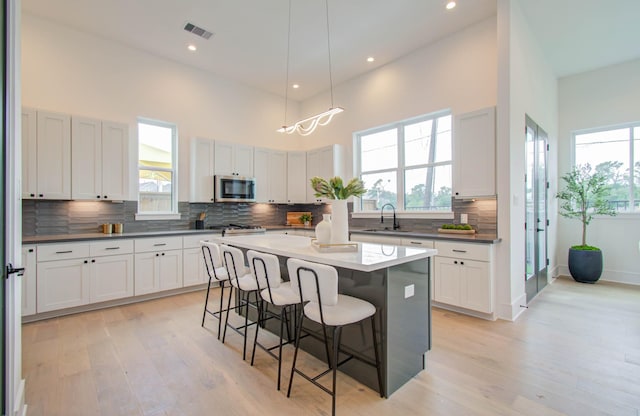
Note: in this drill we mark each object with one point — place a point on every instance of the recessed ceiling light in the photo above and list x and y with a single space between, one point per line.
296 86
192 48
451 5
370 59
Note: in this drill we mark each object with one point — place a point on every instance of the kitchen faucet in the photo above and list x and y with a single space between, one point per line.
395 223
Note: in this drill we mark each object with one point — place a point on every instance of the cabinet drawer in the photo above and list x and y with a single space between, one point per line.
143 245
49 252
480 252
193 241
417 242
110 248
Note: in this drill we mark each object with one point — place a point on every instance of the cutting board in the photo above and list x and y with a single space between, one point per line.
293 217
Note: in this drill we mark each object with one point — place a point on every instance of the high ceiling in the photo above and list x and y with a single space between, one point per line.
249 42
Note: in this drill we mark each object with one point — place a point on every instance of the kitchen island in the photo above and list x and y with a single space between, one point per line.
393 278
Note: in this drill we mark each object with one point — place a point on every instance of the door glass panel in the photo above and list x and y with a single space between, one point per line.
541 201
529 204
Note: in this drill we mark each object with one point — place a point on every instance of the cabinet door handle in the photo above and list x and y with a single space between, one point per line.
30 250
455 262
462 262
163 254
157 255
416 243
112 248
86 261
98 196
93 260
64 252
459 251
160 244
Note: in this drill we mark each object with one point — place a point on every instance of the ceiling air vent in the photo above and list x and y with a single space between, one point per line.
203 33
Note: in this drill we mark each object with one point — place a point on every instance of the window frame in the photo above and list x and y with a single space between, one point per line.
174 214
631 126
401 167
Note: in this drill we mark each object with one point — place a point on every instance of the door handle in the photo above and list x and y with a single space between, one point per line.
12 270
539 229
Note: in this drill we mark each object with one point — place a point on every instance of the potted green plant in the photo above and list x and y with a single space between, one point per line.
583 197
335 190
306 219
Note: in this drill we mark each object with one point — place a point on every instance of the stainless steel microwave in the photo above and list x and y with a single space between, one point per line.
234 189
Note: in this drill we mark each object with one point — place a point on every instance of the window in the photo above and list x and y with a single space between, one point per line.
407 164
616 153
157 167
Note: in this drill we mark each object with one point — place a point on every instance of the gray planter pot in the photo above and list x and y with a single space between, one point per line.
585 266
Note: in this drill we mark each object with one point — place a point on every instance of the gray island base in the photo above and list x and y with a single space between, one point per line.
393 278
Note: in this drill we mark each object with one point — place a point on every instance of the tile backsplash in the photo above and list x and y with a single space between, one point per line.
78 217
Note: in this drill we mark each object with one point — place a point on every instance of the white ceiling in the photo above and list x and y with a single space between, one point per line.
250 36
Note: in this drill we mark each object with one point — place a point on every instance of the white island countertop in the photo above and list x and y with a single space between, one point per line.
368 257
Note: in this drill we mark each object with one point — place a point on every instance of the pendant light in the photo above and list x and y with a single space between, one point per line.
308 125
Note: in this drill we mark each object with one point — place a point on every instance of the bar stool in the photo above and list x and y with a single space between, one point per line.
216 272
318 284
241 278
266 270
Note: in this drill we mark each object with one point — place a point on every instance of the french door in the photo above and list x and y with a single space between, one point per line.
536 222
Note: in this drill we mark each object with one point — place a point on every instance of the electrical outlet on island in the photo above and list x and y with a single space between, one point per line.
464 218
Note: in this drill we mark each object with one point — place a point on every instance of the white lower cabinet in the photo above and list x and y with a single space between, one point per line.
463 276
111 278
77 274
29 280
158 264
62 284
194 271
158 271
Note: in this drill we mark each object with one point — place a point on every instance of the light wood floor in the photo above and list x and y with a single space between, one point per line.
575 351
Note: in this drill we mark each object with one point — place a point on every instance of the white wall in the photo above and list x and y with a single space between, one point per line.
527 86
73 72
604 97
458 72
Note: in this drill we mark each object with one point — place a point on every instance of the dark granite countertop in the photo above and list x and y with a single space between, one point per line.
68 238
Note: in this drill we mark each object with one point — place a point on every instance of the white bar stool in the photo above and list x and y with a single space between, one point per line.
318 284
216 272
241 278
266 269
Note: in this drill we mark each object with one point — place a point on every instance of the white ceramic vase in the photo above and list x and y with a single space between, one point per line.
323 230
339 221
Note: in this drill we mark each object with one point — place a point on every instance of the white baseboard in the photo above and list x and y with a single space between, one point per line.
607 275
511 312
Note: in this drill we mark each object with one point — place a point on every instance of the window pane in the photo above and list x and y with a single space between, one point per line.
608 152
379 151
155 191
443 140
381 189
428 189
417 143
154 145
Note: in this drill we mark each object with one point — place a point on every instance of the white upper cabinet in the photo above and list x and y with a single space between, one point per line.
474 154
270 170
325 162
115 161
297 182
46 152
202 170
99 159
233 159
